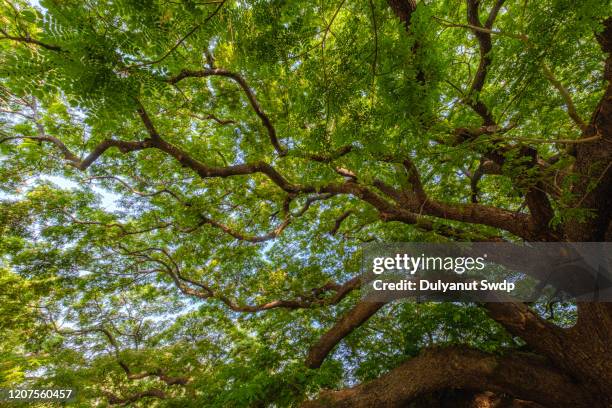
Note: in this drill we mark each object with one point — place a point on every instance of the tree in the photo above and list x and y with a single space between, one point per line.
186 185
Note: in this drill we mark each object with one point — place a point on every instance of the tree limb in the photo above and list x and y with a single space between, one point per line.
28 40
265 119
462 368
354 318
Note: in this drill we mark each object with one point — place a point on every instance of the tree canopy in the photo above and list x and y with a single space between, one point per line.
186 185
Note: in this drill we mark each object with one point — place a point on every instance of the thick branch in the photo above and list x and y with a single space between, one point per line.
354 318
484 46
417 202
403 9
541 335
518 224
462 368
75 161
593 189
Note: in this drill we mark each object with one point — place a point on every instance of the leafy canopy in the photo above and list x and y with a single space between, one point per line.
169 168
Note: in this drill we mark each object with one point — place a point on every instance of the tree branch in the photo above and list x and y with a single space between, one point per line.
462 368
182 40
484 46
548 73
75 161
354 318
265 120
201 290
29 40
339 221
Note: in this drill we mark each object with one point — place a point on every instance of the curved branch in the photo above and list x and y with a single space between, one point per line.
315 298
463 368
28 40
417 202
75 161
354 318
485 31
201 290
183 157
137 192
276 232
328 158
540 334
265 120
567 98
484 46
123 228
242 236
518 224
158 373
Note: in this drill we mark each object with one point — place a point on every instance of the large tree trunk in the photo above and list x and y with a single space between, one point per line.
569 367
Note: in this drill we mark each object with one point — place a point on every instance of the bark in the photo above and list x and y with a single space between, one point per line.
587 349
582 351
574 367
403 9
357 316
485 46
593 160
470 399
522 375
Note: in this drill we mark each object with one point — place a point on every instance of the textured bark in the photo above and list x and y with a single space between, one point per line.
593 161
574 367
522 375
470 399
583 351
587 351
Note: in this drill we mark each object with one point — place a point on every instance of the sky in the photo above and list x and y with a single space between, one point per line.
108 198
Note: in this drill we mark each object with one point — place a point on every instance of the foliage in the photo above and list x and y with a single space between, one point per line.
91 254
